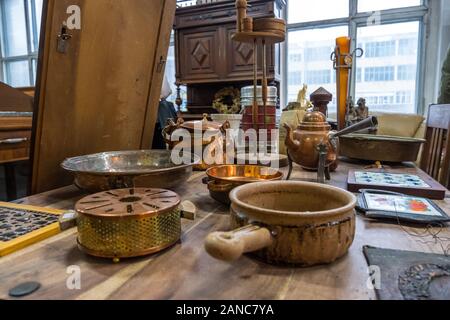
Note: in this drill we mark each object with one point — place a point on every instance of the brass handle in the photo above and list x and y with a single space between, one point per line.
229 246
13 141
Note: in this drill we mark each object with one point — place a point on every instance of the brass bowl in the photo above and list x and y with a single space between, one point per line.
223 179
380 148
128 169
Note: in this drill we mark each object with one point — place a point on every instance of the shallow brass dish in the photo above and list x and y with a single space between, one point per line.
380 148
128 169
223 179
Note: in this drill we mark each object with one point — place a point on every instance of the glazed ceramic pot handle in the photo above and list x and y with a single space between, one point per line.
229 246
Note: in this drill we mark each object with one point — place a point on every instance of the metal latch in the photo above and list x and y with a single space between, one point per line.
161 65
63 38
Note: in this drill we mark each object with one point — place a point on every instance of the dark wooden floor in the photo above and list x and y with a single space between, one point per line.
22 170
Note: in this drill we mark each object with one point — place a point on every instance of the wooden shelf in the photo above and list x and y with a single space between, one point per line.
250 37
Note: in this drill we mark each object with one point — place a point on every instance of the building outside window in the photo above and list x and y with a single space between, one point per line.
318 76
373 74
406 72
20 22
380 49
391 34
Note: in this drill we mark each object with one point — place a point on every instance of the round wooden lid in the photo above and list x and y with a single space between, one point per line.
128 202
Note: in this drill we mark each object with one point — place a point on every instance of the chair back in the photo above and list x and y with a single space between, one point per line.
436 155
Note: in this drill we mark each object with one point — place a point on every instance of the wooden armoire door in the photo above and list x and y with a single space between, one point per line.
200 52
102 93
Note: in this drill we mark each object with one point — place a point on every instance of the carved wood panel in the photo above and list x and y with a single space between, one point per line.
240 58
199 52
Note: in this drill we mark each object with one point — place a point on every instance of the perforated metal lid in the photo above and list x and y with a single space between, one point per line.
128 203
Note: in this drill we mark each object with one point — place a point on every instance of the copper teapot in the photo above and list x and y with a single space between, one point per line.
314 135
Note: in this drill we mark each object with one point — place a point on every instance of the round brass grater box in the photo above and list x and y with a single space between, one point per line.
128 222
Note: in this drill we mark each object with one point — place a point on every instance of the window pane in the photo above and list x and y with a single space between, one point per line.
15 28
38 7
34 66
372 5
309 61
305 10
18 73
387 79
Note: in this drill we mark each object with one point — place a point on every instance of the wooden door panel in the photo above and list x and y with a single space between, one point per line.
200 53
95 97
240 58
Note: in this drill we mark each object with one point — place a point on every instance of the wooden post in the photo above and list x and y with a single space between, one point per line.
255 84
241 6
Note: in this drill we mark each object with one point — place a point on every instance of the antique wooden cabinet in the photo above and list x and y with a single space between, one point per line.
99 89
206 57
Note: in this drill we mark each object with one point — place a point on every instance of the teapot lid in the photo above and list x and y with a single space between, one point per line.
204 124
314 117
315 121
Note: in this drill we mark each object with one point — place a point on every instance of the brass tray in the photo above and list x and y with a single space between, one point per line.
128 169
380 148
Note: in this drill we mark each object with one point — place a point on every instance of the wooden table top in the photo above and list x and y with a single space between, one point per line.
186 271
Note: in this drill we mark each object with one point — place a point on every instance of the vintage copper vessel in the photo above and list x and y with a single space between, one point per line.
205 138
314 131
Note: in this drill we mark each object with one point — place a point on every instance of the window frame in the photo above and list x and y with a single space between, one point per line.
359 19
32 31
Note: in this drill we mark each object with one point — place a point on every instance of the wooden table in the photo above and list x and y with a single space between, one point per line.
187 272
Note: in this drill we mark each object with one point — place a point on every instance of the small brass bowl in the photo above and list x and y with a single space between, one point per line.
222 179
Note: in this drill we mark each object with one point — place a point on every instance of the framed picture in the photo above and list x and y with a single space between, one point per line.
413 183
391 205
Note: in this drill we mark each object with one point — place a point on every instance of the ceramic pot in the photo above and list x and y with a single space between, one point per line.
294 223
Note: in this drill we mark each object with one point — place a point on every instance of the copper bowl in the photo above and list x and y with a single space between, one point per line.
223 179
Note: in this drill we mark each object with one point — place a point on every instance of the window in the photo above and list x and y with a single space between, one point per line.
315 46
318 76
304 11
358 74
391 40
379 74
380 49
404 97
376 5
20 24
295 78
296 58
406 72
407 47
318 54
400 74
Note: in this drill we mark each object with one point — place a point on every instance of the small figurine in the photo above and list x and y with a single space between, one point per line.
302 103
362 110
352 115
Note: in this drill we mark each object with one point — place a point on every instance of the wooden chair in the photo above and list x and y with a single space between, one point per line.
436 155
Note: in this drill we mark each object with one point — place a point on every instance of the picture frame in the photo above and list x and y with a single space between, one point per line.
379 204
414 183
